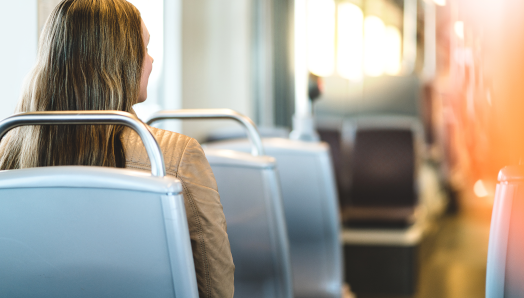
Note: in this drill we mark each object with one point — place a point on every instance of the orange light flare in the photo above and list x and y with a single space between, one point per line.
479 89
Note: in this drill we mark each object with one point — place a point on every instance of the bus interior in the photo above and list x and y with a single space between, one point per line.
361 148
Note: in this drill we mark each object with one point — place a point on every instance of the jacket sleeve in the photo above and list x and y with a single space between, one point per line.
207 224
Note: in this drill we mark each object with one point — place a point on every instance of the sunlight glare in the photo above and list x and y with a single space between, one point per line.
350 41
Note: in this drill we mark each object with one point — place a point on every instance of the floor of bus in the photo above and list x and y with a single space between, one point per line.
453 262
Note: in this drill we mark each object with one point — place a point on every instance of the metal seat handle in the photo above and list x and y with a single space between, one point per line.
247 123
92 117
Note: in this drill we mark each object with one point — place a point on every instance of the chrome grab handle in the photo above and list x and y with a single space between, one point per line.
248 124
92 117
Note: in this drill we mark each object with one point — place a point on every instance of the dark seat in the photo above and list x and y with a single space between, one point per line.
380 170
383 168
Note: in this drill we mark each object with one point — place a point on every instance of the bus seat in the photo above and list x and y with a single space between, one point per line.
77 231
311 209
251 197
250 193
386 218
381 168
506 242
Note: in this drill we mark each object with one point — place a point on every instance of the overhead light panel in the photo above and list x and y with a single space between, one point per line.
374 35
392 51
321 37
350 41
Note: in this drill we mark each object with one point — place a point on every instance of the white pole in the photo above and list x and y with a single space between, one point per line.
172 68
302 106
303 125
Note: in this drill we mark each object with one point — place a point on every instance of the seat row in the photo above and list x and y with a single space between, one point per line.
88 231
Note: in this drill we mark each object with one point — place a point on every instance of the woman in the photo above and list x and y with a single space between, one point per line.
93 56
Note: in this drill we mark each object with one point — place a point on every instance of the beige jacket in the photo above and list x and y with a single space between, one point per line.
185 159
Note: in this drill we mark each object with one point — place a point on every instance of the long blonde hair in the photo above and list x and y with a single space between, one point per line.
90 58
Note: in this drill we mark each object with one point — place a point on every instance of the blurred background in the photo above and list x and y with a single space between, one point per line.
449 71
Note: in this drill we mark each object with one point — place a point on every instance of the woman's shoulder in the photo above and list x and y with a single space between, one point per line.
180 151
170 141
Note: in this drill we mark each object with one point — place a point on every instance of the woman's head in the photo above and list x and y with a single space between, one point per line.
92 56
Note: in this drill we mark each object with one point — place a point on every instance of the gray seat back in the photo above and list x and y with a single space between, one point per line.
93 232
311 209
506 238
250 194
74 231
251 197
